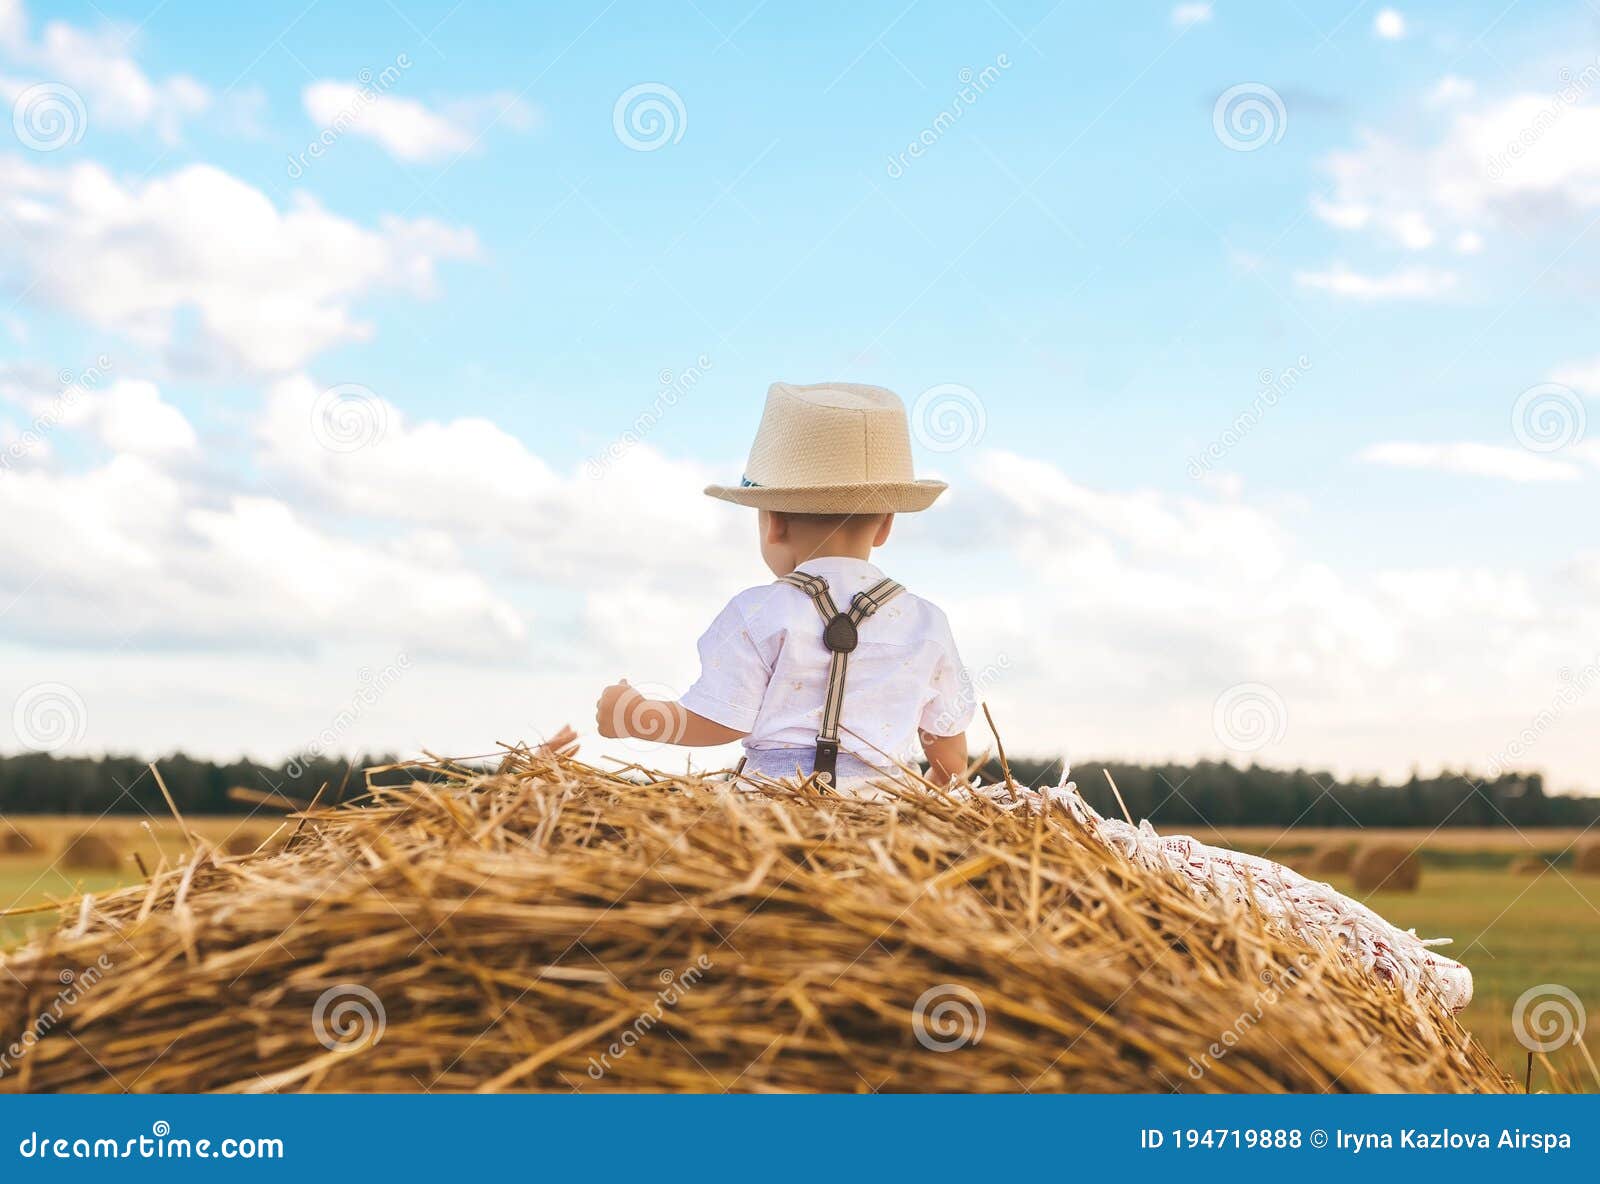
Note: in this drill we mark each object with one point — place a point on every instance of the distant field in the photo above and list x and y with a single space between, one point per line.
1490 840
1515 931
34 878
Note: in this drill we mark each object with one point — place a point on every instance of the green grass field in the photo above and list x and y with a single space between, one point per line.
1515 931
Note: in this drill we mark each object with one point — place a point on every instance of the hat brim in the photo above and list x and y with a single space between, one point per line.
888 497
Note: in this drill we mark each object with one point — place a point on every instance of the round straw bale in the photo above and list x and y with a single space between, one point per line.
1586 857
19 842
245 841
1528 865
1386 867
914 927
90 851
1333 859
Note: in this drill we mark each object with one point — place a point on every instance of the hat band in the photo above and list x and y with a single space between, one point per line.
746 483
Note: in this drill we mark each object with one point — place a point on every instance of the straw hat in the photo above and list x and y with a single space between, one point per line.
833 448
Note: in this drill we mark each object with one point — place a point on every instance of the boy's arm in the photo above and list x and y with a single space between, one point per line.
624 712
947 756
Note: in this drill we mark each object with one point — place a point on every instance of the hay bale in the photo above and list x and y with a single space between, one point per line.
1529 865
1333 859
242 842
1386 867
19 842
90 851
534 929
1586 857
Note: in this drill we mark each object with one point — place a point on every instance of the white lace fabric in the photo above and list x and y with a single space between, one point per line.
1312 910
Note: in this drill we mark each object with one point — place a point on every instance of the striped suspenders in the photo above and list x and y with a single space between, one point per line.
840 634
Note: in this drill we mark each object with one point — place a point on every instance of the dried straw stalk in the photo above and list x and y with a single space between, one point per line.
515 929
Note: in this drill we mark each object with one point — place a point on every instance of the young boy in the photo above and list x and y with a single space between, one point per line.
834 669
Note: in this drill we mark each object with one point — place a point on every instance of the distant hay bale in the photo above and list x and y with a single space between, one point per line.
242 842
428 938
1586 858
19 842
1333 859
90 851
1386 867
1529 865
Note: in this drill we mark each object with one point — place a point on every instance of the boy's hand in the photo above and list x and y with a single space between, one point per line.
618 704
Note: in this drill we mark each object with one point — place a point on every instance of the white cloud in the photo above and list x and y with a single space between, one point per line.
1185 15
1583 377
156 562
1407 283
266 288
1389 24
130 417
1479 460
407 129
1452 88
1527 161
1114 617
97 65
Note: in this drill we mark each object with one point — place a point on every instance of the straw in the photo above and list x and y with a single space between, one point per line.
554 926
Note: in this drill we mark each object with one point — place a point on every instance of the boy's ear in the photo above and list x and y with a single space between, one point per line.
884 528
777 525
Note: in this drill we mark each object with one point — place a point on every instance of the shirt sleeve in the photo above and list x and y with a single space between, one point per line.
733 674
953 701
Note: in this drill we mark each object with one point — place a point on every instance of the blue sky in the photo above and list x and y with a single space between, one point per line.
1082 253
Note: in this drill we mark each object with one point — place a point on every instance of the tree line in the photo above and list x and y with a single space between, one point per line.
1209 793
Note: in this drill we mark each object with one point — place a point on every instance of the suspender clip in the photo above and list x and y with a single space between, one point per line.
840 634
826 764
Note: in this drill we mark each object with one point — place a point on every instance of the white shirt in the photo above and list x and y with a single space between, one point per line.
764 669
